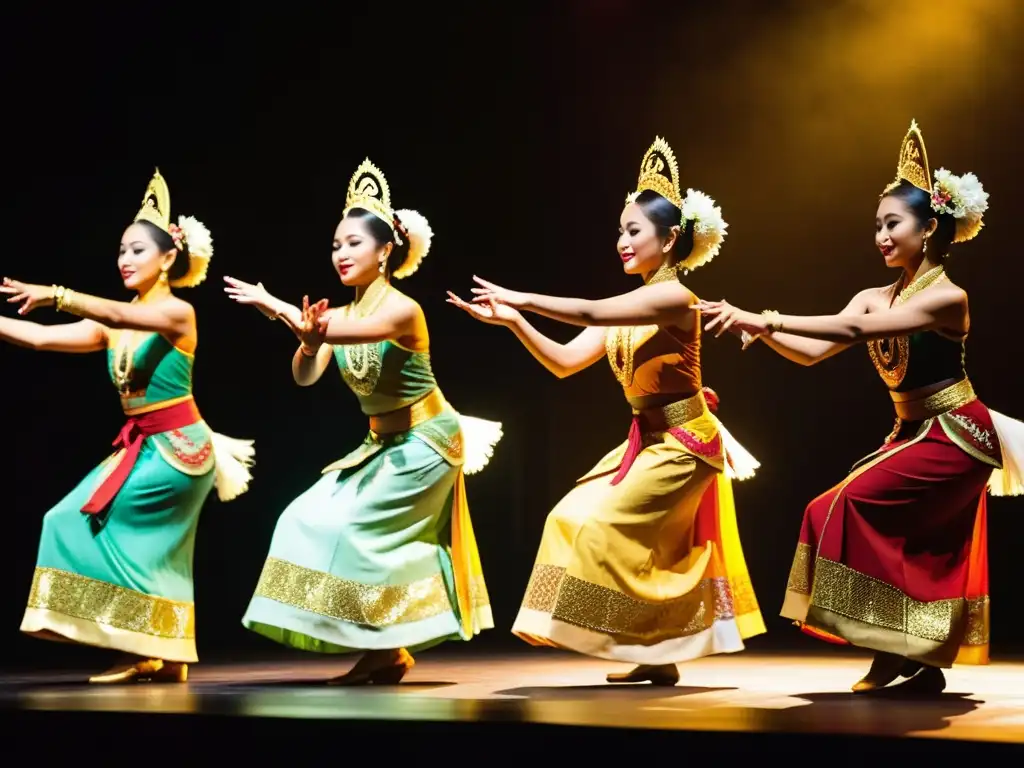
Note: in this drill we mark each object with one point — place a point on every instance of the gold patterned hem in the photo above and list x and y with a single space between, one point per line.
108 604
372 605
46 624
607 611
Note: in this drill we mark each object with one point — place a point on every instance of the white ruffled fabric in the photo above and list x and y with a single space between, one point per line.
740 464
233 459
479 437
1008 481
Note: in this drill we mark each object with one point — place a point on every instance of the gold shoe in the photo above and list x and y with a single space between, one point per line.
388 674
885 667
148 671
656 674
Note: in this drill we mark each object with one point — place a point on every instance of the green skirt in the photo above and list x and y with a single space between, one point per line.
122 579
362 560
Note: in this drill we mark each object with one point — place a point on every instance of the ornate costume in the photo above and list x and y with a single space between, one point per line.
380 552
115 557
895 557
641 561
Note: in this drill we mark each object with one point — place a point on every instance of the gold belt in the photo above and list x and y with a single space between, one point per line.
911 407
672 415
404 419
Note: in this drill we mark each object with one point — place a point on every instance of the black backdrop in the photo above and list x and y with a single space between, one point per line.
517 133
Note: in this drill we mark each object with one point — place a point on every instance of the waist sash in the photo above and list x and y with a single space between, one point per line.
915 407
659 419
136 429
404 419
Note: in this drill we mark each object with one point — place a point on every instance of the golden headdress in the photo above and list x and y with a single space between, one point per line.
659 172
189 231
963 197
368 189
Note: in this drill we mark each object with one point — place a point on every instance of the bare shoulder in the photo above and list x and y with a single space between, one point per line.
178 306
402 304
672 290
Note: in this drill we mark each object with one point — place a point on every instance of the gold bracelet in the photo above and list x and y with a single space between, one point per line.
773 321
59 297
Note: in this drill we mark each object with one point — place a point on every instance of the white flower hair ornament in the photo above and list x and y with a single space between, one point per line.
200 250
964 198
415 228
708 228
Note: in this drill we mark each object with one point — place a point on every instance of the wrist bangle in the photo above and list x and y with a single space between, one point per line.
305 351
773 321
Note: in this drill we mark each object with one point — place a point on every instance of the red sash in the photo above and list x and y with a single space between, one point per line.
135 430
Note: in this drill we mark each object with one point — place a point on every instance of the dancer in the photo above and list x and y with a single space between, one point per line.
379 555
115 557
894 558
641 562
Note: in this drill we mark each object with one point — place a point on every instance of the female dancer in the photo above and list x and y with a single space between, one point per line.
378 555
894 558
641 562
115 557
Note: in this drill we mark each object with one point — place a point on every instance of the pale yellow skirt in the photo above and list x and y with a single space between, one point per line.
649 571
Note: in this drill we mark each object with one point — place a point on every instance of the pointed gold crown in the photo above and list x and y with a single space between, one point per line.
368 189
156 203
913 164
659 173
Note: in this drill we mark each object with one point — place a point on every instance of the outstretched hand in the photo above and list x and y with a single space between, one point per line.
253 295
488 312
28 295
726 317
488 292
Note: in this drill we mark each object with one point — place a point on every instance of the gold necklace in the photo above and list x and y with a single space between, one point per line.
362 361
620 343
892 356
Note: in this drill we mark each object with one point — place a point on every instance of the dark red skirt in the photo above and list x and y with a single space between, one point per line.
895 557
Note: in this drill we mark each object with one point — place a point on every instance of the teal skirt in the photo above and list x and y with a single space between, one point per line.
362 559
122 579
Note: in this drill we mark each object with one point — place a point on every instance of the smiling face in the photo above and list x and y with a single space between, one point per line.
141 258
641 249
357 254
899 234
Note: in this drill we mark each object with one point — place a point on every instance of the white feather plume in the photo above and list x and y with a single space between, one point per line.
420 237
233 459
479 437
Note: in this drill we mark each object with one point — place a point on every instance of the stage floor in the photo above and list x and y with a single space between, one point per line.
742 693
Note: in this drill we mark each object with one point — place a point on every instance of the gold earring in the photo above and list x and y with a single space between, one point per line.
382 267
924 246
163 275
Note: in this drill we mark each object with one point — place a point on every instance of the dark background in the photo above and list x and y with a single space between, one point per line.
518 134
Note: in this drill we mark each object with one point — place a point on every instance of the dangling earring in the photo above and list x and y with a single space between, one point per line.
924 247
382 267
163 275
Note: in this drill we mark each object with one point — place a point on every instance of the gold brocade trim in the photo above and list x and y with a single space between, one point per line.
952 397
800 571
743 597
620 344
404 419
844 591
111 605
972 438
677 414
373 605
149 408
600 609
977 621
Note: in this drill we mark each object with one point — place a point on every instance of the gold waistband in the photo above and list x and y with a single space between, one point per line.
153 406
912 408
672 415
404 419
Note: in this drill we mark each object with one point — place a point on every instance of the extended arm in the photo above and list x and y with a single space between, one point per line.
561 359
83 336
806 351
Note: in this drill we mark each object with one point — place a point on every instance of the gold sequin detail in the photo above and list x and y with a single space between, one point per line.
361 371
373 605
610 612
620 345
743 597
111 605
800 571
892 356
840 589
977 621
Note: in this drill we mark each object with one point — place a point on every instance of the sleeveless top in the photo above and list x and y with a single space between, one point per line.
386 377
910 362
648 360
149 373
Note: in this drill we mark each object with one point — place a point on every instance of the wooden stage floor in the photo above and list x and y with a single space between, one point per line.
743 694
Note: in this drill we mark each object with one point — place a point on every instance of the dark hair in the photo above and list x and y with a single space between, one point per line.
664 215
383 234
166 243
920 204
